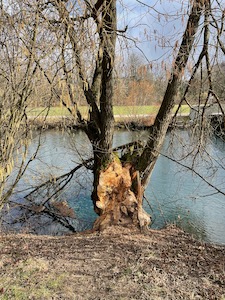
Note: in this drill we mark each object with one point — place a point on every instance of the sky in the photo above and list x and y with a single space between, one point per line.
155 29
156 26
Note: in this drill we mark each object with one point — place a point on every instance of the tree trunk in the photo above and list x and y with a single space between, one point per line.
116 194
119 187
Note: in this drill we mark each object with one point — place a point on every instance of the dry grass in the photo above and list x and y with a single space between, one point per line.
116 264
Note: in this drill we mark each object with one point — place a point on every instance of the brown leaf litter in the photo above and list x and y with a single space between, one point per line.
116 264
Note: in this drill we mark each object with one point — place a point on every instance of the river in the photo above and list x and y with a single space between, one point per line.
174 194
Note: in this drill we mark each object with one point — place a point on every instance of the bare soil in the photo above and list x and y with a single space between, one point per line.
116 264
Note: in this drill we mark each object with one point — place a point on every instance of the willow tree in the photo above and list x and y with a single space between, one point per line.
88 36
85 35
18 33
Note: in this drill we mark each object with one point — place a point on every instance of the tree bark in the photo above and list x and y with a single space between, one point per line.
113 195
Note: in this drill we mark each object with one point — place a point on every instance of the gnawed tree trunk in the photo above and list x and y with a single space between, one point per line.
115 194
119 187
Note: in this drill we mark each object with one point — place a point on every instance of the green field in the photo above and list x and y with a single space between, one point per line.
118 110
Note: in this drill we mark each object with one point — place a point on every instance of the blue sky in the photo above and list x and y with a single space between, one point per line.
156 26
155 29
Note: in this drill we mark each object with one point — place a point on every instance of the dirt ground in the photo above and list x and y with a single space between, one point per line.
116 264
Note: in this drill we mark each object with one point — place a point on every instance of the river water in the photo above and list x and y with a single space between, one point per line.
174 195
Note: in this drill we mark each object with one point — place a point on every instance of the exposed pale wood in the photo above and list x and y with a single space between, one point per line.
116 202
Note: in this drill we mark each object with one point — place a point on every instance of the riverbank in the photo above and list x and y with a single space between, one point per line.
131 117
54 122
125 121
116 264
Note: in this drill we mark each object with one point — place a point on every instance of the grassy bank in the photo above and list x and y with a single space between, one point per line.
116 264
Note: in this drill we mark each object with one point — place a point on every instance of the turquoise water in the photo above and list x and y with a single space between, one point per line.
174 194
